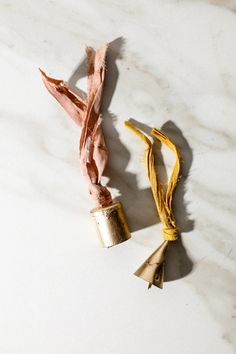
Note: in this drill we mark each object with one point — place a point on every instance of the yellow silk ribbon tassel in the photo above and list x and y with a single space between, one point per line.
152 270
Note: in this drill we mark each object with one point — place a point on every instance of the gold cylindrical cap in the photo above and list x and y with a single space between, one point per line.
111 224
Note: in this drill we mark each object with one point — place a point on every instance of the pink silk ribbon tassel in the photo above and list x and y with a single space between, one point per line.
85 111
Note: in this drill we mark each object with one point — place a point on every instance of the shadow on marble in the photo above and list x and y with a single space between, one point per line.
79 73
178 263
123 181
185 223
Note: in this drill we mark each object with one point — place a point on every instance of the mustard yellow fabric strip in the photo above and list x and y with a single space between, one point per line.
163 200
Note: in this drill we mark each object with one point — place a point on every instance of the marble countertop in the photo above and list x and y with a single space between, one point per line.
171 65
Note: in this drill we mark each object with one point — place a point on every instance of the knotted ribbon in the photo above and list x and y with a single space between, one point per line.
152 270
84 109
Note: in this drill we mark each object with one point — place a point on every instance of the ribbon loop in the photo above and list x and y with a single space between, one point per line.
163 200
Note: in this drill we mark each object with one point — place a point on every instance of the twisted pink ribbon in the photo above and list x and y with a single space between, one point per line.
85 111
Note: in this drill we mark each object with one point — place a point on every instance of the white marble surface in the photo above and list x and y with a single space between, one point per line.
60 292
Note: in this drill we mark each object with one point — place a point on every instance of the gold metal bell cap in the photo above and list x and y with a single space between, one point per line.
111 224
152 270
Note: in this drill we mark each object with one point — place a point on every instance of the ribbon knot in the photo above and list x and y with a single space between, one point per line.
170 233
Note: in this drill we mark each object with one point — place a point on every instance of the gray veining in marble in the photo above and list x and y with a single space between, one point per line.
171 65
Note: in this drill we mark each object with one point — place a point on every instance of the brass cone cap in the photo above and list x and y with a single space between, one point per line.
111 224
152 270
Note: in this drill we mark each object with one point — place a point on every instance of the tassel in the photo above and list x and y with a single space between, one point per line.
152 270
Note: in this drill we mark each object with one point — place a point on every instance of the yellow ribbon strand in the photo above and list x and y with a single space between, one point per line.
163 200
152 270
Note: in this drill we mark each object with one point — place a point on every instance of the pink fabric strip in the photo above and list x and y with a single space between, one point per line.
86 113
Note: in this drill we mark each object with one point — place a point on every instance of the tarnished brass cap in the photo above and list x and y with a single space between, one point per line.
111 224
152 270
